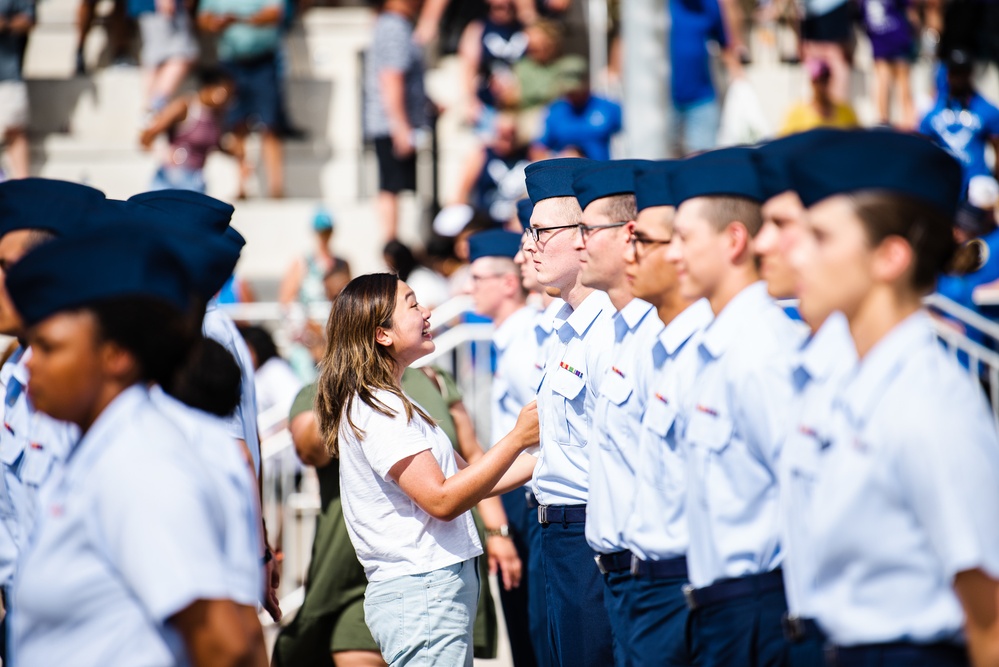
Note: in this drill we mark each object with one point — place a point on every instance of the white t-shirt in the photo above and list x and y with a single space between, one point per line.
393 537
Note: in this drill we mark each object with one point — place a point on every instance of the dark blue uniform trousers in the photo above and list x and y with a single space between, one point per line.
617 601
658 623
579 631
808 649
743 632
899 655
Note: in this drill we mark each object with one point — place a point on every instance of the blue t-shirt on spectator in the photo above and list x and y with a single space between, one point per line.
963 131
138 7
694 24
12 45
589 129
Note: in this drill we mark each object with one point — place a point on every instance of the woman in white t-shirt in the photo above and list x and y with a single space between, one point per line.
406 495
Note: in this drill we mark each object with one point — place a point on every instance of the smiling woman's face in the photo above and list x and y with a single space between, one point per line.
409 337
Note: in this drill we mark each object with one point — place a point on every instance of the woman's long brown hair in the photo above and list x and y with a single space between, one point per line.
354 363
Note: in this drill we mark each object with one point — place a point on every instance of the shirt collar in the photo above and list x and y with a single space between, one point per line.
547 316
628 318
694 317
580 319
831 346
514 324
882 363
727 325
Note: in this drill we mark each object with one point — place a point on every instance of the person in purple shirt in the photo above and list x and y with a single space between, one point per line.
578 120
890 29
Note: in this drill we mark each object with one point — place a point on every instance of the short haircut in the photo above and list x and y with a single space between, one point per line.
567 209
621 208
721 211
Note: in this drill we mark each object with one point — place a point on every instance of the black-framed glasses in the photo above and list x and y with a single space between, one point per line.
535 232
637 241
586 230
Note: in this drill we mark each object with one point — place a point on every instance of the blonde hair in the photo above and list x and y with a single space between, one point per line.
355 364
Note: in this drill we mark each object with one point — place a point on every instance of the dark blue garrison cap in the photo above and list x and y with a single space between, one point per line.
208 254
727 172
493 243
652 184
605 179
94 265
852 161
553 178
772 159
185 206
525 209
58 207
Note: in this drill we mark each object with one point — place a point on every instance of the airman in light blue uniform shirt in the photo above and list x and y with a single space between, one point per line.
657 528
826 358
618 416
906 496
578 360
544 335
513 388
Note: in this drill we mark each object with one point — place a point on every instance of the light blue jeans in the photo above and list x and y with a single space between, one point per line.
425 619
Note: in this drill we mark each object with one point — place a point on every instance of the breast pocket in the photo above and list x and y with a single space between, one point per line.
36 466
659 420
571 427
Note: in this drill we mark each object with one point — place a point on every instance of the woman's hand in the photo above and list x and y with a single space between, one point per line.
526 429
503 558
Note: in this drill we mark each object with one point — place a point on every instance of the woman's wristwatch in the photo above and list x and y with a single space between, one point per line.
502 531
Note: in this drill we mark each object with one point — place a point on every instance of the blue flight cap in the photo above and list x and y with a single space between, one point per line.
186 206
42 203
605 179
209 255
525 209
652 186
322 220
772 159
553 178
94 265
885 160
727 172
493 243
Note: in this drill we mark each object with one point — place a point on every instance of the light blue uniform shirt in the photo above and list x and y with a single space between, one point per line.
236 492
242 424
544 330
516 347
32 446
657 527
580 355
128 535
822 364
907 494
618 418
733 423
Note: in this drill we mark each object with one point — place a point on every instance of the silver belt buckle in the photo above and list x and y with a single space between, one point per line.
688 595
600 564
542 514
635 564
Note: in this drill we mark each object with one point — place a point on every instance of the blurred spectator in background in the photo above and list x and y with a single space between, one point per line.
697 113
169 48
431 288
336 278
822 110
236 290
961 120
193 125
17 17
891 27
275 381
305 281
827 35
249 37
536 76
118 32
488 51
578 118
492 178
395 105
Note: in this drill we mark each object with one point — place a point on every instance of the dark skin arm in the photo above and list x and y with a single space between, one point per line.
174 113
218 633
979 595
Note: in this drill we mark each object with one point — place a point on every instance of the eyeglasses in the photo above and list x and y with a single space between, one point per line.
586 230
535 232
637 241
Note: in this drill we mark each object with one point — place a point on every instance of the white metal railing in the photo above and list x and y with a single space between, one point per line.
291 491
